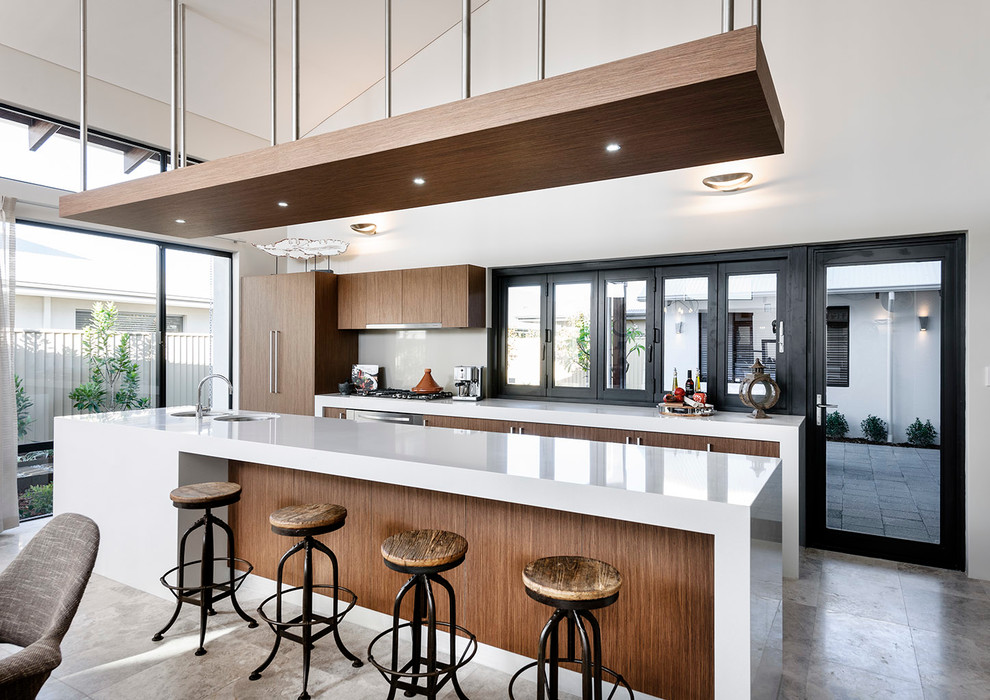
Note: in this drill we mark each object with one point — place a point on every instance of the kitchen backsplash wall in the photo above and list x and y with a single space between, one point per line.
405 354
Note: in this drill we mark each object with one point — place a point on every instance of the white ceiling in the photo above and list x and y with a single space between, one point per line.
227 49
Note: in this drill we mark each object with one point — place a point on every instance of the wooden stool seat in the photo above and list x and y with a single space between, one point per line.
211 494
572 578
424 549
307 519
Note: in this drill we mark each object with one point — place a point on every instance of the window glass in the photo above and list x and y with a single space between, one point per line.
685 329
751 327
572 335
625 332
523 336
197 335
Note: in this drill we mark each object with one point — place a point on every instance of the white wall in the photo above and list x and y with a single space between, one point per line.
885 126
405 354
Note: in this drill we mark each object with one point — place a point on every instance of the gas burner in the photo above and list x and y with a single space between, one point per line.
390 393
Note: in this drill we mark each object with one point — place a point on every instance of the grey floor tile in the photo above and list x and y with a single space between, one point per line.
882 648
867 600
57 690
952 666
939 611
828 681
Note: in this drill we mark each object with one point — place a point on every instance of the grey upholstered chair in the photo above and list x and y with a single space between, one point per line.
39 593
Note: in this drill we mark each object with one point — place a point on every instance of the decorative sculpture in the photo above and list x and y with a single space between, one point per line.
760 403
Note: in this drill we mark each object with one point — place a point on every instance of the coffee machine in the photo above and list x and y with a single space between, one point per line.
467 383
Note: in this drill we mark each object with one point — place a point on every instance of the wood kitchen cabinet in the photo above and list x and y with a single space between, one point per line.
453 296
290 346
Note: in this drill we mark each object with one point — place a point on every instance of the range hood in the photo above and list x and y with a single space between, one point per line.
707 101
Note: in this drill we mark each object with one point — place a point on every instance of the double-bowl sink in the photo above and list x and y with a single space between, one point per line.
221 416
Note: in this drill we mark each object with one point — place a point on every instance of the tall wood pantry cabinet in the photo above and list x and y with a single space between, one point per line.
290 346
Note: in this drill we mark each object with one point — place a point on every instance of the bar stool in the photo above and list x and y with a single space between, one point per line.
424 554
205 496
307 521
573 586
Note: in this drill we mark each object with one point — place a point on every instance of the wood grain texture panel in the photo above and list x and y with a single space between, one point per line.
706 101
295 321
331 412
352 301
336 350
454 292
257 320
384 296
421 295
660 633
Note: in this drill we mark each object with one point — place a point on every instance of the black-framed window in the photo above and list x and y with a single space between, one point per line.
604 331
837 346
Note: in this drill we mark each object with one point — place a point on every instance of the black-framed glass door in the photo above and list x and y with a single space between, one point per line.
885 464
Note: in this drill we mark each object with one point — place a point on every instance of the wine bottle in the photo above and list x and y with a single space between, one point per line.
689 385
700 383
675 380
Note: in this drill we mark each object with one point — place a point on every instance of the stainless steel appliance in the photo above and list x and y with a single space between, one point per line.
384 417
467 383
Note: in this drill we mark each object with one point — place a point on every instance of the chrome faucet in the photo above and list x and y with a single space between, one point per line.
199 392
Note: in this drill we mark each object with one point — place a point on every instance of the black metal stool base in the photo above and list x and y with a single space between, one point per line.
436 675
592 669
209 591
308 619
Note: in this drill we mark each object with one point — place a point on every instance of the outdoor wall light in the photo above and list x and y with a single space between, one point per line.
730 182
679 326
923 322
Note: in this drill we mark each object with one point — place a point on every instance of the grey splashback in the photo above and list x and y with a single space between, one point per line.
406 353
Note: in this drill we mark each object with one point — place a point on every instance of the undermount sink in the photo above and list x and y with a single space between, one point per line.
192 414
241 417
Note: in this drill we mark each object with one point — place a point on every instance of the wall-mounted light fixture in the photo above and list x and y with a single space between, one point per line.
368 229
923 323
679 326
730 182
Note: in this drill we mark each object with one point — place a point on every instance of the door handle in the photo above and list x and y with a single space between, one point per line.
819 406
271 362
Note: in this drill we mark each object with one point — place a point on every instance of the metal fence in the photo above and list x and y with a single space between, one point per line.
50 364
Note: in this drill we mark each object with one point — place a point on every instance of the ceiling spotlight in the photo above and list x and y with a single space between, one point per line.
180 221
419 181
613 147
283 204
729 182
367 229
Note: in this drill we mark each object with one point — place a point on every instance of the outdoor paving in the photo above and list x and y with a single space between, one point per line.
883 490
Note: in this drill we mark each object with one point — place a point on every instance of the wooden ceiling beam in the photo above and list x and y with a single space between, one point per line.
699 103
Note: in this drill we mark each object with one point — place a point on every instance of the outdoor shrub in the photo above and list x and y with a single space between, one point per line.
38 500
24 404
921 435
836 425
874 428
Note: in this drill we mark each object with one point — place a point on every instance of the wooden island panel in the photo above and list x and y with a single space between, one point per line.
660 633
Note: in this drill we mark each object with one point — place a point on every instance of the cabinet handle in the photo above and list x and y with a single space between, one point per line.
709 447
271 362
343 415
521 430
628 440
512 429
275 363
639 441
426 422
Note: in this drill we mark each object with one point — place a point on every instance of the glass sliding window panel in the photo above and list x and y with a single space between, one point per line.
197 327
751 326
524 340
685 328
572 335
625 334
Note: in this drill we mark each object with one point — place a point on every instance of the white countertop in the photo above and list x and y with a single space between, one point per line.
724 423
464 455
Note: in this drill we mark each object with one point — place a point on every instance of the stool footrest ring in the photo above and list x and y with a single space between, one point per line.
617 682
283 625
222 584
470 649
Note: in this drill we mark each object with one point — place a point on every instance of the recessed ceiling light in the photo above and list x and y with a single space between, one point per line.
419 181
613 147
180 221
367 229
728 182
283 204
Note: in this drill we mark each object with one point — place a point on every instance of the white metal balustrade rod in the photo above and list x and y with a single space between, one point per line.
272 64
174 123
466 49
182 85
728 15
388 58
757 13
295 70
83 124
541 71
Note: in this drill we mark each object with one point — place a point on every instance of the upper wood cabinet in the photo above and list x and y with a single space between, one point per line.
452 296
291 348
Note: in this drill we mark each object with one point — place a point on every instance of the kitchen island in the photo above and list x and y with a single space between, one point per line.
695 534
